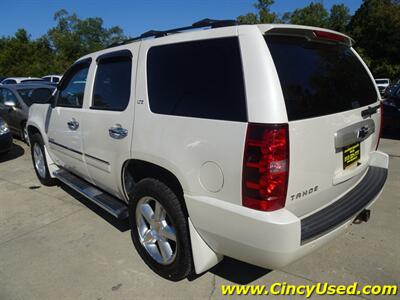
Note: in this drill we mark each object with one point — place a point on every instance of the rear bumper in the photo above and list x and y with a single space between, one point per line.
6 142
275 239
346 207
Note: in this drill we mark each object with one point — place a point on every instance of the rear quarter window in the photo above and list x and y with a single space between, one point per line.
319 78
202 79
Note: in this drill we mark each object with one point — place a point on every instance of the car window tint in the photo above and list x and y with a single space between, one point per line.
202 79
9 96
9 81
112 85
319 78
73 89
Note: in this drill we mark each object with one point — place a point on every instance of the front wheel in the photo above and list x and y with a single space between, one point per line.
39 160
159 230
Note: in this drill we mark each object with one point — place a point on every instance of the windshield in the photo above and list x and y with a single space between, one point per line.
381 81
26 95
319 78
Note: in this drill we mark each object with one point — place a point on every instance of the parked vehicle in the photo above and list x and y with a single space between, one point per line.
15 100
390 89
6 140
15 80
257 142
392 111
52 78
382 84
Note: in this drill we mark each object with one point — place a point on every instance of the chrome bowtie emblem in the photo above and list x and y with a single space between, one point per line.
362 132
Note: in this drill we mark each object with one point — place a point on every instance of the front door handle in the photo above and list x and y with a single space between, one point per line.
73 124
117 132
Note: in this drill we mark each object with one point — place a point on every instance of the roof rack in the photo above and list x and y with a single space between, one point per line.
160 33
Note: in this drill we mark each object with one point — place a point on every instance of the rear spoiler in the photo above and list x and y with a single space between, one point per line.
311 33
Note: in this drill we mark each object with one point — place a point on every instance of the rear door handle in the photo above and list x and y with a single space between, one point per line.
73 124
117 132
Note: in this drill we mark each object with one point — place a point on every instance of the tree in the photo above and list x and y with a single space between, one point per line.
72 37
375 26
339 17
313 14
263 15
20 56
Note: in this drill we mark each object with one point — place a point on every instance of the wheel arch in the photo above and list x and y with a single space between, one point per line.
140 169
32 130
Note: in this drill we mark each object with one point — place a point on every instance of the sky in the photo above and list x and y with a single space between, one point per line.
135 16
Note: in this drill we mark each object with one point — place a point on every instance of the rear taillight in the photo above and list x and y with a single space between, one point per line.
265 166
381 126
329 36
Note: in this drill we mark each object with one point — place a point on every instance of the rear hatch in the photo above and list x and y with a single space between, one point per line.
333 111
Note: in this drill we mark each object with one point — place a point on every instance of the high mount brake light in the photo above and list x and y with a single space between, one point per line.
265 166
329 36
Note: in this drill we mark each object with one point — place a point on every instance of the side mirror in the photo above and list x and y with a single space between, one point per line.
10 104
41 95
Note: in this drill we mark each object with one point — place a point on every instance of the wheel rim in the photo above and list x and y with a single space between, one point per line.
25 133
156 232
39 160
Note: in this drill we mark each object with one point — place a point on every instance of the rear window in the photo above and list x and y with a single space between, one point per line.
318 78
202 79
26 95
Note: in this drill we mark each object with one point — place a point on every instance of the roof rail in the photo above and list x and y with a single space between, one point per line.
160 33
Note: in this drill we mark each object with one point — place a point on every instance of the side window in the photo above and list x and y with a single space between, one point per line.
71 93
56 79
112 85
202 79
46 78
9 96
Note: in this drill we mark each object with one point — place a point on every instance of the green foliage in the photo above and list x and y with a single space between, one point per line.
314 14
376 26
70 39
339 17
263 15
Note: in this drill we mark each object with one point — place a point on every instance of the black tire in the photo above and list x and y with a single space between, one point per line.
182 265
47 179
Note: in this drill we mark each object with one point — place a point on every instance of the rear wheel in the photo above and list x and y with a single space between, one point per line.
159 229
39 160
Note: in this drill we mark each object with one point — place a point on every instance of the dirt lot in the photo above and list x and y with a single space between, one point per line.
56 245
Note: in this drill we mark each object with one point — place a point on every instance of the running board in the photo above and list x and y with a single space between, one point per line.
109 203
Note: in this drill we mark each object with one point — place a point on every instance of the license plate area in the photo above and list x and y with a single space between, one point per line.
351 155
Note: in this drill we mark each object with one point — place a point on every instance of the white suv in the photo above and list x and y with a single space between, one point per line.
257 142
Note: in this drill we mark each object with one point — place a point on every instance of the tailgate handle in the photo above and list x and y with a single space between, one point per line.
369 111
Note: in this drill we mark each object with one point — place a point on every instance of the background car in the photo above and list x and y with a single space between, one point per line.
15 101
6 140
15 80
382 84
391 109
52 78
390 89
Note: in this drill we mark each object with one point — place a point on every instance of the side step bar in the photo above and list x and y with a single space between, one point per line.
109 203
